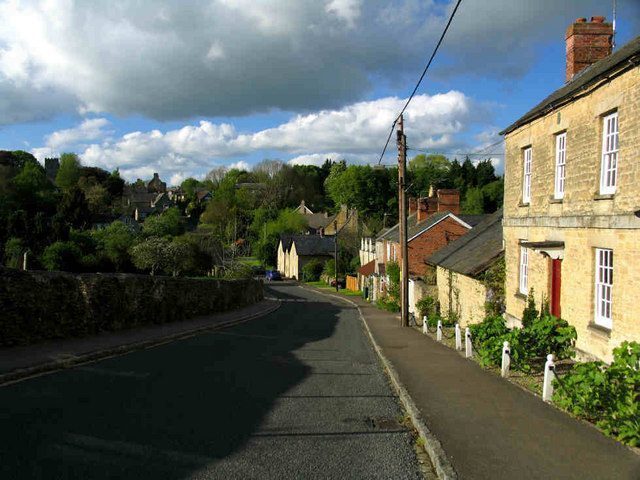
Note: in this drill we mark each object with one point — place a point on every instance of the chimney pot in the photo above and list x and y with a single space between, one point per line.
597 19
581 20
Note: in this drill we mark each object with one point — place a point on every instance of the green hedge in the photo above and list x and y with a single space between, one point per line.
37 306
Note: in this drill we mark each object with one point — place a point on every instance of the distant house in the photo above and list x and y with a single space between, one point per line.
460 266
203 196
346 220
140 201
156 185
295 251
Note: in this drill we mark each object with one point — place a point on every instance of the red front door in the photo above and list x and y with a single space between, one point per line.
556 282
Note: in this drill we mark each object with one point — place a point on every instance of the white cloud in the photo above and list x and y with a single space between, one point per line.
354 133
240 165
174 60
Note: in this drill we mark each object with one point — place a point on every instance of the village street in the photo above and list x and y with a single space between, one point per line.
298 393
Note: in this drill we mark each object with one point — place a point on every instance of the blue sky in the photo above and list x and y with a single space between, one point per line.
178 88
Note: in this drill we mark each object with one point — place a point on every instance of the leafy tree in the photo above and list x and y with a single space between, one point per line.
65 256
168 223
288 221
473 203
190 186
14 250
69 171
493 195
73 208
152 254
114 243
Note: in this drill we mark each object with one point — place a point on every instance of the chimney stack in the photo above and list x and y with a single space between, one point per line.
413 205
587 42
449 199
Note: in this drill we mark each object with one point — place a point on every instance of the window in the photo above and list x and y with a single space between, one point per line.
524 271
526 183
609 166
561 158
604 286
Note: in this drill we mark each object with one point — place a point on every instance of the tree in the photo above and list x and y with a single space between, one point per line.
168 223
189 186
14 250
216 175
114 243
69 171
152 254
473 203
65 256
73 208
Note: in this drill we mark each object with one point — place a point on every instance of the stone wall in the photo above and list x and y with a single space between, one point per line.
465 295
36 306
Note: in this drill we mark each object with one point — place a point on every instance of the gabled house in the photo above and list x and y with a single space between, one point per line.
460 267
295 251
571 203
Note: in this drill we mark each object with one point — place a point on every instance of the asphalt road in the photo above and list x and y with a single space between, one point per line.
296 394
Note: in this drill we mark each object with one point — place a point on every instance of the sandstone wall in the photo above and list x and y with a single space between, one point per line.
36 306
467 296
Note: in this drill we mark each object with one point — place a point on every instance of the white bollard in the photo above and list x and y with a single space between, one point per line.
506 359
439 334
424 325
468 348
549 372
458 338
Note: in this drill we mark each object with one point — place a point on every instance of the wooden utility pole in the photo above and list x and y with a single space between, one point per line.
335 253
402 210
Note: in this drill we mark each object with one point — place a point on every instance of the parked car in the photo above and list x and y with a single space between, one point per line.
273 275
342 283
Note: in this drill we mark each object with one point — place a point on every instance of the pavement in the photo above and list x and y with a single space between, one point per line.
296 393
488 427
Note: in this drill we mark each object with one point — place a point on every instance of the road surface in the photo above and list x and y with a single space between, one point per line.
295 394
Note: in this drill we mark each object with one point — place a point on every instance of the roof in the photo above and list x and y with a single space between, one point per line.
318 220
621 60
416 229
286 238
201 194
367 268
391 233
307 245
474 252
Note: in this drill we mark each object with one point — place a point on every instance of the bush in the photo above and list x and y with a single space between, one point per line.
426 307
528 345
389 304
312 270
65 256
607 396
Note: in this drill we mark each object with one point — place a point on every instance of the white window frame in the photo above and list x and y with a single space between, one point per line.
561 165
604 287
526 175
524 271
610 147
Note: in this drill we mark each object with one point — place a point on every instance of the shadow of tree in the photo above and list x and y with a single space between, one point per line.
159 413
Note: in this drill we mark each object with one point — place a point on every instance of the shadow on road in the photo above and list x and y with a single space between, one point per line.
160 413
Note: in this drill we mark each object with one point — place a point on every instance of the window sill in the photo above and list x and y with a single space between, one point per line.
520 295
599 329
521 204
604 196
555 200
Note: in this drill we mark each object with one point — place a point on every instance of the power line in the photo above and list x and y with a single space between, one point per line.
424 72
470 154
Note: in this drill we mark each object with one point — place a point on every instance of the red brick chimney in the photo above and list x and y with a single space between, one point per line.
587 42
413 205
427 206
449 199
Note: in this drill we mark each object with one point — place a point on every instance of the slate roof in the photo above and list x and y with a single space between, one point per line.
392 233
311 245
318 220
622 59
415 229
474 252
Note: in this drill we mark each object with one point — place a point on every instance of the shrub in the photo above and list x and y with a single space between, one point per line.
608 396
65 256
488 337
426 306
389 304
529 314
312 270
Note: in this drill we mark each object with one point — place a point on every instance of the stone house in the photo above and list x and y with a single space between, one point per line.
571 202
295 251
460 266
155 185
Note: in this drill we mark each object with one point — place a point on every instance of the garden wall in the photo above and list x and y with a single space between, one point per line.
36 306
